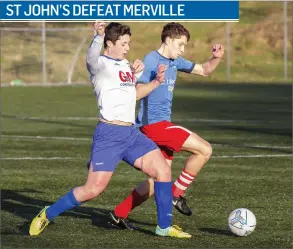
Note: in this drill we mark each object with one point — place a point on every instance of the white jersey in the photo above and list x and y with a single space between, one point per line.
114 84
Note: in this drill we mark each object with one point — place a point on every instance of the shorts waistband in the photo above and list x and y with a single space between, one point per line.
116 122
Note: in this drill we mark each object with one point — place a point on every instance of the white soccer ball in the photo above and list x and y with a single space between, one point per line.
242 222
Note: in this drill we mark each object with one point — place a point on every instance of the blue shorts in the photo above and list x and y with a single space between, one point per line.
113 143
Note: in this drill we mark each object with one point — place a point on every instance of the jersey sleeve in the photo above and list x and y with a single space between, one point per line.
93 54
138 75
150 69
184 65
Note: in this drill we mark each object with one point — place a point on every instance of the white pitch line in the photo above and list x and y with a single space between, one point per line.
46 85
57 118
180 157
258 146
89 139
188 120
206 120
245 156
46 138
38 158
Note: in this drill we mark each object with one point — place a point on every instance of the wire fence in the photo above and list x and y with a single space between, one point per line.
256 50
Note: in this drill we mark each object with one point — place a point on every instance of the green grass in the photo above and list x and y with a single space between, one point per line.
236 119
256 47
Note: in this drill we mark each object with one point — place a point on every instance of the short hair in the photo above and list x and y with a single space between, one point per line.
174 31
114 30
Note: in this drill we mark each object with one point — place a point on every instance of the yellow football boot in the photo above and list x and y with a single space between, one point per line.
39 223
172 231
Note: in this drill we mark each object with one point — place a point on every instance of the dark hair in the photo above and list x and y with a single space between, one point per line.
174 30
114 30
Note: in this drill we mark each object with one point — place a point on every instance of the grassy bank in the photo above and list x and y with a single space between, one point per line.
256 47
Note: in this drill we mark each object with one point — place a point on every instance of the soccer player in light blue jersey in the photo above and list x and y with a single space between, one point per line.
154 118
116 137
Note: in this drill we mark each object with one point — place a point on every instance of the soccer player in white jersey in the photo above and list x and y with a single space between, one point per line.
116 137
154 118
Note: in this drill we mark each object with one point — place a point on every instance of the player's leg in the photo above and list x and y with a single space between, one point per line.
177 138
95 184
138 195
201 152
146 189
152 164
100 172
145 156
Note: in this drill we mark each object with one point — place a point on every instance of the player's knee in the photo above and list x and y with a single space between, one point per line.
205 151
93 191
208 151
155 165
161 169
163 172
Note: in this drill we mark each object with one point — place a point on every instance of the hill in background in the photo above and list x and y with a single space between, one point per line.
256 47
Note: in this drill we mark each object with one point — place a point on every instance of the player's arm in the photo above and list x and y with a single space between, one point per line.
137 67
143 89
209 66
95 48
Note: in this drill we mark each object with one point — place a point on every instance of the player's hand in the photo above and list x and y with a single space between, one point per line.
99 27
218 50
137 66
161 73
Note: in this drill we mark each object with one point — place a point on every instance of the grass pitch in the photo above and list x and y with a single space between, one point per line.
45 144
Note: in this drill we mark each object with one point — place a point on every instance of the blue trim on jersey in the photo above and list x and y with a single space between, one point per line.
110 58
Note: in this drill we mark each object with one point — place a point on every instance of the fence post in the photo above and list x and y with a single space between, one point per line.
44 52
74 60
1 151
228 51
285 40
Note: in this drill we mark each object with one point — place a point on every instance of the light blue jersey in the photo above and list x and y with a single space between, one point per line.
157 105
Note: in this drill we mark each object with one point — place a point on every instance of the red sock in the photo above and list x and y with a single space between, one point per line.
182 183
134 199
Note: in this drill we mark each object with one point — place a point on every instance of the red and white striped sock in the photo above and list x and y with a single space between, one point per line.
182 183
